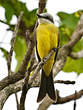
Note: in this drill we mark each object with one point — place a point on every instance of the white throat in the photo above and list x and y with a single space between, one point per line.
42 20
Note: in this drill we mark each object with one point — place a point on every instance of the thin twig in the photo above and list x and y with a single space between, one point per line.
13 42
16 96
64 82
74 107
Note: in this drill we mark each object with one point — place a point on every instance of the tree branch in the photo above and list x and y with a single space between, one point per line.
77 34
7 91
13 42
61 100
77 55
42 4
66 99
64 82
14 88
17 102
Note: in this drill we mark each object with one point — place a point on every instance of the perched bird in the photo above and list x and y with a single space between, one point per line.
47 38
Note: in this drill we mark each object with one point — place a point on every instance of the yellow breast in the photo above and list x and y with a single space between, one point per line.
47 38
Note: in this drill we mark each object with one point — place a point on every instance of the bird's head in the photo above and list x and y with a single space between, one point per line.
45 18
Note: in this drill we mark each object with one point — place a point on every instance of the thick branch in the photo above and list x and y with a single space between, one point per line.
14 88
61 100
7 91
11 80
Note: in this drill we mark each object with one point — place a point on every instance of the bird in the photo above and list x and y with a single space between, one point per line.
47 38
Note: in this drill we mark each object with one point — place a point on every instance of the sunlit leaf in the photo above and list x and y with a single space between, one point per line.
20 49
68 23
5 53
74 65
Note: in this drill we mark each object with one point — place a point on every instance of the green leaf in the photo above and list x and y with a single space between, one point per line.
20 49
8 12
69 20
79 46
5 53
74 65
14 7
30 18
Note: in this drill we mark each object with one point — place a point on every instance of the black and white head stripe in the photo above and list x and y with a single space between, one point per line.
46 16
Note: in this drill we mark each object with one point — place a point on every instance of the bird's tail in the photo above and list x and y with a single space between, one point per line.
46 86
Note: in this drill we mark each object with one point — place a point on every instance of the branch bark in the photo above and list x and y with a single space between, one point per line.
13 42
61 100
7 91
77 55
14 88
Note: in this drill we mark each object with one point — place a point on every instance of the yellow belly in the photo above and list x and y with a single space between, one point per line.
47 38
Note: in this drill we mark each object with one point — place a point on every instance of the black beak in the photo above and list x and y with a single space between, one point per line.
38 15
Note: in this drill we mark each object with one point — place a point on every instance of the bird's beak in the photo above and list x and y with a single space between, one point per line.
38 15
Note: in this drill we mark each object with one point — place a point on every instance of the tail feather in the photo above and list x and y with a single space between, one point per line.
46 86
42 90
50 87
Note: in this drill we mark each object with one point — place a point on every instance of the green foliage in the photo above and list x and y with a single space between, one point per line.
74 65
14 7
5 53
68 23
78 46
20 49
67 26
